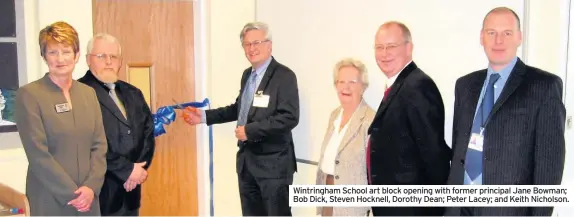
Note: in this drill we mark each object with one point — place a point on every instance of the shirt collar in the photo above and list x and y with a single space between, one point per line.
111 85
106 86
261 69
505 72
391 80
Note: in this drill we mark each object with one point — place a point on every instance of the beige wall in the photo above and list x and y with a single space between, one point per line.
224 61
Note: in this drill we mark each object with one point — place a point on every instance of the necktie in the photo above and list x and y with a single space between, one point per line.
114 97
387 89
246 99
473 162
386 93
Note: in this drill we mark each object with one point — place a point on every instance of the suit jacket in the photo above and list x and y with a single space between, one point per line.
350 166
407 139
268 151
130 141
65 150
524 139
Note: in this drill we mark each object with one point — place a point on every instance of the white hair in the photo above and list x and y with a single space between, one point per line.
106 37
255 26
357 64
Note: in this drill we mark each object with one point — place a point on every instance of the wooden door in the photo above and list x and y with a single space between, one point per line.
157 49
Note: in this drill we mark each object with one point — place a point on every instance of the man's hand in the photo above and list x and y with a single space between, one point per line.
143 175
130 185
138 176
240 133
192 115
83 202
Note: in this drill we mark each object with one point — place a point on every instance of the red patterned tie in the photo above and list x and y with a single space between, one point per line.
387 92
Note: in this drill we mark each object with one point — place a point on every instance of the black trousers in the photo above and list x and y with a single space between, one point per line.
264 196
124 211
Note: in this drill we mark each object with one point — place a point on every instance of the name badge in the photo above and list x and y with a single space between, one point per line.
260 100
476 141
61 108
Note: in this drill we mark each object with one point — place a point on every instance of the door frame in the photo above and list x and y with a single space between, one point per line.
204 147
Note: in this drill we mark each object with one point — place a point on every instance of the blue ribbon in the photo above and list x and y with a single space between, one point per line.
166 115
163 116
211 195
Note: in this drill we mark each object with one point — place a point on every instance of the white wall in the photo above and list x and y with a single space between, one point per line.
568 176
75 12
544 30
445 48
547 35
225 62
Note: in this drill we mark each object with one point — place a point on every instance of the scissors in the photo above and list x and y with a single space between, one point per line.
178 105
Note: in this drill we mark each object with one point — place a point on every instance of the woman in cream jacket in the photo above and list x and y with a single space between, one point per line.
342 160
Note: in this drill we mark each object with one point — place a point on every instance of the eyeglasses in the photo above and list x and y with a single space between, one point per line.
389 47
103 56
256 43
65 53
351 82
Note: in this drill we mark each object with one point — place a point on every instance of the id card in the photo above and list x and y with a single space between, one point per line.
260 100
61 108
476 141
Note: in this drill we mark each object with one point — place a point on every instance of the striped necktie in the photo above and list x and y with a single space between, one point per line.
114 97
473 159
246 99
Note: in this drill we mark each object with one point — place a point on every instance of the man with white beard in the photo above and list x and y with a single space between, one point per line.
128 124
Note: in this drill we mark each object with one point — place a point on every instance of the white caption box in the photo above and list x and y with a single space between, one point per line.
430 195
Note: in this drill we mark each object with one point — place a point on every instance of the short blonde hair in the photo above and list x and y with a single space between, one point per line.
357 64
59 32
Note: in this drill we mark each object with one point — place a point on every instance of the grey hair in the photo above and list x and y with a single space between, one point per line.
357 64
106 37
255 26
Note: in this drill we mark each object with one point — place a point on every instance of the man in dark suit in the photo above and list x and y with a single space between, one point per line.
516 111
406 143
128 125
266 110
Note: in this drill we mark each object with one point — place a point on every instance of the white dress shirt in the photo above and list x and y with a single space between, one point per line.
390 81
332 149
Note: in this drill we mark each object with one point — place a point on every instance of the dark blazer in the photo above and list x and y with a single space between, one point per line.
524 139
407 139
129 141
268 151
